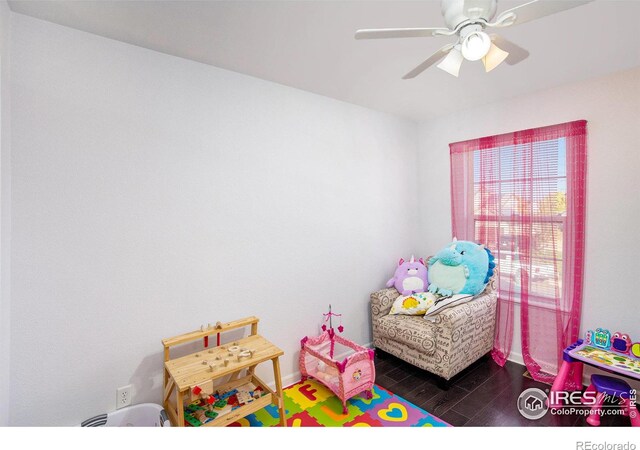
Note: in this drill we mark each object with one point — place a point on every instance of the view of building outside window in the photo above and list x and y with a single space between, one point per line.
509 189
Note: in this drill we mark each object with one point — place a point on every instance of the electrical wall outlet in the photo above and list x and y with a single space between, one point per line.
123 396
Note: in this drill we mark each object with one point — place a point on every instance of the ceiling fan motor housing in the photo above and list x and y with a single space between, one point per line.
457 11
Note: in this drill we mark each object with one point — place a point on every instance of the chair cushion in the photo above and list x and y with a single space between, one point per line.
413 331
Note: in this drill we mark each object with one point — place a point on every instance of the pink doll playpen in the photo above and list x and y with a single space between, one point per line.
353 375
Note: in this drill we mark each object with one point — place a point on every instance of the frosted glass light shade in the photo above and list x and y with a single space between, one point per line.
452 62
494 58
475 45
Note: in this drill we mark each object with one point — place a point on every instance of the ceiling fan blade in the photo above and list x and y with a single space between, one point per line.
437 56
533 10
382 33
516 53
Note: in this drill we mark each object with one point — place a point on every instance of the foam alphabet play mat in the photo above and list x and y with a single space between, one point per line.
310 404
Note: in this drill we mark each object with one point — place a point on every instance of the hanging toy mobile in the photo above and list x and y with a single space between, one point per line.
328 317
353 375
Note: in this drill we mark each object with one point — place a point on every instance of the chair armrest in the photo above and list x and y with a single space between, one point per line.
452 318
466 331
492 285
381 302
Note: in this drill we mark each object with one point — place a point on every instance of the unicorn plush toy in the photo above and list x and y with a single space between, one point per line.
410 276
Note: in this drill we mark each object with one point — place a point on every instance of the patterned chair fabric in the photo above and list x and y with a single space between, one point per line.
410 330
455 338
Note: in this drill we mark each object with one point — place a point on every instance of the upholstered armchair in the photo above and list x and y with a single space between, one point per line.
444 345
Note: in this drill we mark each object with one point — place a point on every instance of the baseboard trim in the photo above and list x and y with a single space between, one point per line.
519 359
516 358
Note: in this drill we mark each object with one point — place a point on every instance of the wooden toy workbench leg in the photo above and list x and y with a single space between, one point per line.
167 392
180 407
278 380
166 358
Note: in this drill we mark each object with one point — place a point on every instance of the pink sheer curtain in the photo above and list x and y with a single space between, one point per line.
523 195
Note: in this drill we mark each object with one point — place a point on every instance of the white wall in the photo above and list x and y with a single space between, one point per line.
152 194
611 105
5 202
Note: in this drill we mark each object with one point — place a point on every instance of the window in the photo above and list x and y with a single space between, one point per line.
507 189
523 195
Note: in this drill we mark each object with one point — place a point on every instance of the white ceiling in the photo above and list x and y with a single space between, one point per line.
310 45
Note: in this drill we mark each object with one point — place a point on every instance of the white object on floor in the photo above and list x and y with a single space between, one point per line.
142 415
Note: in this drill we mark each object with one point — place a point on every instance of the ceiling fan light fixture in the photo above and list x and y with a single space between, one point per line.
452 62
494 58
475 45
468 20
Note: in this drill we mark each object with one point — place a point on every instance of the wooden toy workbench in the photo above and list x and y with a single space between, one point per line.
185 377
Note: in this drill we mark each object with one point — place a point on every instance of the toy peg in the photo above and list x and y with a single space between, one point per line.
200 415
218 326
204 363
211 367
218 358
226 362
206 338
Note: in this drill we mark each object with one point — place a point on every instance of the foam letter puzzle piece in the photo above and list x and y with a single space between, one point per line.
308 392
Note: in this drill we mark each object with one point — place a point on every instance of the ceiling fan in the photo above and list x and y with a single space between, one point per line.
468 20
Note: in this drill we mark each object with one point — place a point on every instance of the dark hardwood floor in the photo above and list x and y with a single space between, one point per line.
482 395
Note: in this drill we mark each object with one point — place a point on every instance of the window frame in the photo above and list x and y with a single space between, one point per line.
561 219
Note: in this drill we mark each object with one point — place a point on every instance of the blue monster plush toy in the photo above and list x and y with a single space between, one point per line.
462 267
